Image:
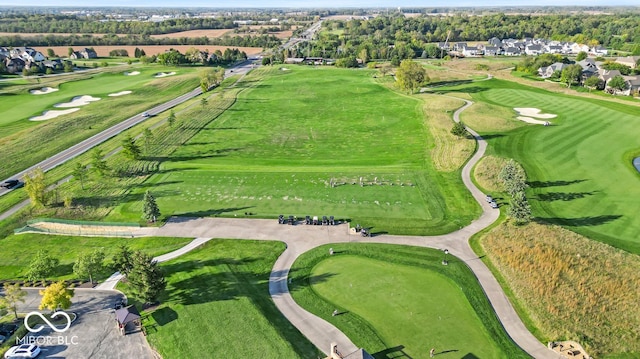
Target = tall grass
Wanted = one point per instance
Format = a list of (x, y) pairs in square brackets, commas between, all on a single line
[(571, 287)]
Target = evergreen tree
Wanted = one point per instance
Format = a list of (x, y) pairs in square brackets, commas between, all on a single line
[(513, 177), (520, 210), (130, 149), (145, 278), (79, 172), (150, 210), (122, 259), (98, 164)]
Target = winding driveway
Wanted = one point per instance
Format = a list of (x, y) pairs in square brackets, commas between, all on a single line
[(300, 239)]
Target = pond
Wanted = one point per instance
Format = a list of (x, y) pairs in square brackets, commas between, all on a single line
[(636, 163)]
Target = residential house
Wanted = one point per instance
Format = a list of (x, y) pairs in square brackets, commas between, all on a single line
[(599, 51), (459, 46), (492, 51), (53, 64), (294, 60), (576, 48), (32, 55), (606, 75), (533, 50), (548, 71), (632, 85), (470, 51), (553, 49), (512, 51), (88, 53), (494, 41), (631, 61), (14, 65)]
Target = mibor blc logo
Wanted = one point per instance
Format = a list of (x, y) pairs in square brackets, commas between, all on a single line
[(40, 327)]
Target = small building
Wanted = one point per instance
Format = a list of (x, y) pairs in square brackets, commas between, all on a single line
[(128, 316), (548, 71), (492, 51), (631, 61)]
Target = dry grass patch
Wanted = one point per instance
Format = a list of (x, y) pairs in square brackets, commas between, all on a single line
[(448, 152), (484, 117), (487, 173), (571, 287)]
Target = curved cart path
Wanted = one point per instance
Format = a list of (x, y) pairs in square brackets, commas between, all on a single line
[(300, 239)]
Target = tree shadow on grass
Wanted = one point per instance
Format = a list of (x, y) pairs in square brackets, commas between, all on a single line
[(580, 221), (389, 353), (164, 315), (469, 356), (212, 212), (542, 184), (562, 196), (210, 154), (471, 89)]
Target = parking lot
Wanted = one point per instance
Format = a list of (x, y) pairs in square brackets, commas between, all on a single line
[(94, 334)]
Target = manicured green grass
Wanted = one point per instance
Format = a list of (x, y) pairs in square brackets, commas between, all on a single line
[(217, 303), (283, 143), (400, 299), (18, 251), (24, 143), (579, 174)]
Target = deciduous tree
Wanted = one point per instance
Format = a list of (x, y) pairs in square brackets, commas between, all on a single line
[(411, 75), (13, 295), (581, 56), (36, 188), (41, 266), (571, 75), (593, 83), (89, 264), (79, 172), (459, 130), (618, 83), (56, 296)]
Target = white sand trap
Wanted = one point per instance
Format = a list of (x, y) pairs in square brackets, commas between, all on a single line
[(533, 112), (132, 73), (121, 93), (164, 74), (48, 115), (77, 101), (43, 91), (533, 120), (284, 69)]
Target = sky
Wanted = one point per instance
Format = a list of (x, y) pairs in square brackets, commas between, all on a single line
[(317, 4)]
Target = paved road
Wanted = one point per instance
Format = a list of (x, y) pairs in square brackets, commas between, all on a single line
[(86, 145), (93, 334)]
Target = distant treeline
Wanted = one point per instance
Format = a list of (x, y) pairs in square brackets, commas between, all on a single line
[(49, 23), (395, 36), (263, 41)]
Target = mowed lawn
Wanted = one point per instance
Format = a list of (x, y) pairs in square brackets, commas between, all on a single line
[(579, 169), (18, 107), (317, 141), (399, 301), (18, 251), (217, 304)]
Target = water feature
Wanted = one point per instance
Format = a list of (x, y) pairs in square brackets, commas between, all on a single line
[(636, 163)]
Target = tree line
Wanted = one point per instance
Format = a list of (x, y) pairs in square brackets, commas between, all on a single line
[(263, 41), (393, 36)]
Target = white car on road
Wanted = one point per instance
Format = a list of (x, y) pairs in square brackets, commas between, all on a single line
[(23, 351)]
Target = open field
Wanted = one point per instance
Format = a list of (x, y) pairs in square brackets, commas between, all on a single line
[(570, 287), (103, 51), (22, 143), (217, 302), (211, 33), (579, 178), (280, 148), (400, 301), (18, 251)]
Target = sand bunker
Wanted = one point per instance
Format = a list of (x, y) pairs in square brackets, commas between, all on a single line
[(164, 74), (121, 93), (48, 115), (77, 101), (533, 120), (533, 112), (132, 73), (284, 69), (43, 91)]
